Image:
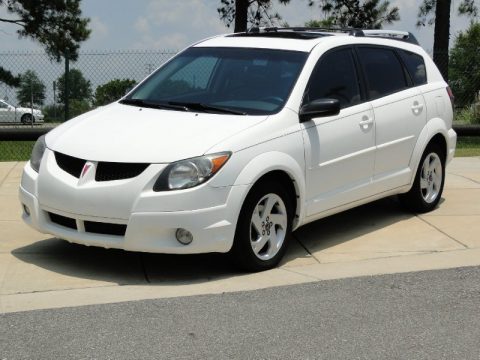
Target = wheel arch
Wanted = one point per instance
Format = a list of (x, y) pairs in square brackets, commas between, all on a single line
[(25, 115), (280, 167), (435, 131)]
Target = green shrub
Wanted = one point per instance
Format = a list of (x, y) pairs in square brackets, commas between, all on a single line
[(467, 115)]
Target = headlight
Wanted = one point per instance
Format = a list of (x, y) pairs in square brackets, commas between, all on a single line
[(188, 173), (37, 153)]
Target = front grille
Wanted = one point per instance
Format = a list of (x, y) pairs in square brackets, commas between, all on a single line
[(105, 171), (108, 171), (70, 164), (63, 221), (105, 228)]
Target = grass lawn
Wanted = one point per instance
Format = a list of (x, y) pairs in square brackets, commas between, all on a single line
[(15, 150), (21, 150), (468, 146)]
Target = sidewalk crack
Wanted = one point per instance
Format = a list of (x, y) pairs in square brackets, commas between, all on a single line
[(8, 174), (443, 232), (466, 177), (305, 248)]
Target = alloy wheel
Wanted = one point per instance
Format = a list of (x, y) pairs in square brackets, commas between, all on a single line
[(268, 226)]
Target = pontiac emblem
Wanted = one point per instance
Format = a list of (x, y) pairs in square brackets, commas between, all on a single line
[(85, 169)]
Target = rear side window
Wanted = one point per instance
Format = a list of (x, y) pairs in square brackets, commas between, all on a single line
[(383, 71), (415, 66), (335, 77)]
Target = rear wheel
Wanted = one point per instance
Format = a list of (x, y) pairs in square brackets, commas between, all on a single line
[(27, 119), (427, 188), (263, 228)]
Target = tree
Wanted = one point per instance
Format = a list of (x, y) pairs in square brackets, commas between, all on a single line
[(79, 88), (464, 67), (369, 14), (112, 90), (57, 25), (438, 13), (245, 12), (30, 88)]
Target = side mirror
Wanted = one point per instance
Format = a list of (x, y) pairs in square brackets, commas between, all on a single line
[(319, 108)]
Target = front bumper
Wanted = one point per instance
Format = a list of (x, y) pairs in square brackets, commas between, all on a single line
[(151, 219)]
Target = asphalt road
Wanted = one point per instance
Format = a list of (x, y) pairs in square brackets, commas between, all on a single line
[(424, 315)]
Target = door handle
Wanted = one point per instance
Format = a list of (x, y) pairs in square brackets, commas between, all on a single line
[(366, 122), (417, 108)]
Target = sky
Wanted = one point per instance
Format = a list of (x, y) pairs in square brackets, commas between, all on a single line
[(165, 25), (173, 25)]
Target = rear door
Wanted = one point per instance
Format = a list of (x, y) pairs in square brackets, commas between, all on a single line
[(400, 114)]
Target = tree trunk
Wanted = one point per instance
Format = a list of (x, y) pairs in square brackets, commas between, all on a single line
[(442, 36), (241, 15)]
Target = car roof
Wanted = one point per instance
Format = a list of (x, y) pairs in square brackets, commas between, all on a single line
[(305, 39)]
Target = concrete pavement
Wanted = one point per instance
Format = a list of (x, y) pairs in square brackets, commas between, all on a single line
[(38, 271)]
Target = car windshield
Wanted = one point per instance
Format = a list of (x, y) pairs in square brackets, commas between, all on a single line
[(222, 80)]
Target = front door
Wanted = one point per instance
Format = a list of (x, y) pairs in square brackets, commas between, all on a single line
[(339, 150)]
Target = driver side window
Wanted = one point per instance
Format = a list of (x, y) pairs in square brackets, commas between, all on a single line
[(335, 77), (3, 105)]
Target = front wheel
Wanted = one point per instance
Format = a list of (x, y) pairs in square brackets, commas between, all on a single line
[(427, 188), (263, 228), (27, 119)]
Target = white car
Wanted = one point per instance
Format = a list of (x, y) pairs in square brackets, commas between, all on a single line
[(13, 114), (242, 138)]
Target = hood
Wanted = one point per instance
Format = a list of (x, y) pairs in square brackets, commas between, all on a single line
[(124, 133)]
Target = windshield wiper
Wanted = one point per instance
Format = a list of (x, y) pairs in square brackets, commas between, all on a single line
[(153, 105), (206, 107)]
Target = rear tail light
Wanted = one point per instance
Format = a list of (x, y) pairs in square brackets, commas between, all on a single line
[(451, 96)]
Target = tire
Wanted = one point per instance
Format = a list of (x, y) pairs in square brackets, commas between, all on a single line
[(427, 188), (27, 119), (260, 244)]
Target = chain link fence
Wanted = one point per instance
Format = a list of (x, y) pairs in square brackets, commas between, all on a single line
[(99, 77), (42, 87), (42, 81)]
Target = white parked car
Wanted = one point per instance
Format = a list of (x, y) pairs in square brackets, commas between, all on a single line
[(13, 114), (242, 138)]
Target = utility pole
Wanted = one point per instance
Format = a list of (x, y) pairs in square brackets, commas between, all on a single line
[(55, 100), (31, 102), (67, 89)]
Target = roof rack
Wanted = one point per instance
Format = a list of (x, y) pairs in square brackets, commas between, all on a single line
[(320, 31), (392, 34), (315, 32)]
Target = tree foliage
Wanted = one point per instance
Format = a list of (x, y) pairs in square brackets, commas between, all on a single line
[(438, 12), (8, 78), (112, 90), (427, 10), (464, 70), (56, 24), (30, 88), (243, 13), (79, 88), (371, 14)]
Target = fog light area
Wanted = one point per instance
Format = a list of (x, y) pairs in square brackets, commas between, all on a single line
[(183, 236)]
